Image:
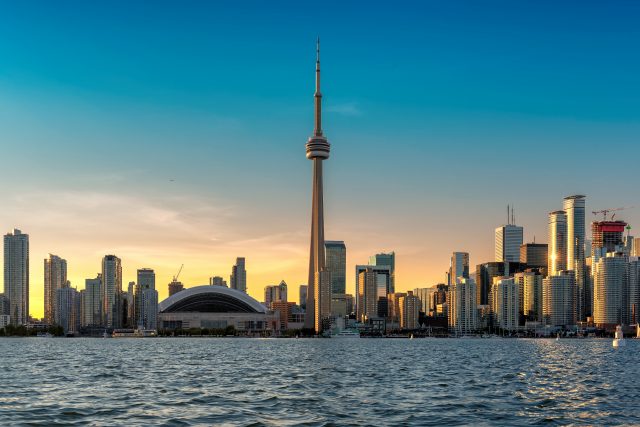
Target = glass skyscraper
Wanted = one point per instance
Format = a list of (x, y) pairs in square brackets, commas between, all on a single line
[(336, 263)]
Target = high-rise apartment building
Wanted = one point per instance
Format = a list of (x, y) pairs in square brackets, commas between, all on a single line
[(111, 292), (409, 311), (55, 277), (636, 247), (634, 290), (458, 266), (92, 301), (175, 287), (4, 305), (67, 309), (393, 306), (146, 300), (610, 290), (336, 263), (574, 206), (557, 242), (16, 275), (559, 299), (505, 303), (239, 275), (530, 289), (389, 260), (507, 244), (462, 307), (275, 293)]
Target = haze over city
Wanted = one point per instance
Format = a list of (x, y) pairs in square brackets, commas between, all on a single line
[(172, 136)]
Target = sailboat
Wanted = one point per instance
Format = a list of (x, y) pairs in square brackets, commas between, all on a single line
[(618, 340)]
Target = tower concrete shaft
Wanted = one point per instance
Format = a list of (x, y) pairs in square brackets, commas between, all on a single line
[(319, 291)]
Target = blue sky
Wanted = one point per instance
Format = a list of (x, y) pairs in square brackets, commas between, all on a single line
[(439, 114)]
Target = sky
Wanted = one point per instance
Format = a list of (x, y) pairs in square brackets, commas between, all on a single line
[(172, 133)]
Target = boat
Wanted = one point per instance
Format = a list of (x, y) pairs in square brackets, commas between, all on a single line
[(347, 333), (44, 335), (411, 336), (105, 334), (558, 337), (618, 340)]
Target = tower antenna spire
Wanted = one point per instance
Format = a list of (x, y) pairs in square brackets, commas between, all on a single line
[(317, 131)]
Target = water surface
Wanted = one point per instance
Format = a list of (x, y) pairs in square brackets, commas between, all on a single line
[(183, 382)]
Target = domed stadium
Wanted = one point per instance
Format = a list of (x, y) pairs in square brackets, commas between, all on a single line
[(214, 307)]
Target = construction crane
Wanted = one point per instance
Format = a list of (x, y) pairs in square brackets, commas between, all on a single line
[(175, 278), (605, 212)]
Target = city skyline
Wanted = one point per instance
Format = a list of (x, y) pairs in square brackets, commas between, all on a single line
[(159, 206)]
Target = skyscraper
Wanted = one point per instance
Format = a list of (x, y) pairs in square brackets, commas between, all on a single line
[(530, 290), (559, 299), (111, 291), (574, 206), (302, 295), (388, 260), (239, 275), (92, 310), (409, 311), (557, 242), (505, 302), (509, 237), (607, 234), (535, 255), (610, 293), (16, 275), (485, 273), (336, 264), (372, 287), (55, 277), (634, 290), (319, 295), (146, 300), (459, 266), (461, 301), (217, 281), (275, 293), (67, 309)]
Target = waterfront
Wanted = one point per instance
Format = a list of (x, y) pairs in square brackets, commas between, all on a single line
[(233, 381)]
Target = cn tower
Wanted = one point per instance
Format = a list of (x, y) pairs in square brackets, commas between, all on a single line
[(319, 285)]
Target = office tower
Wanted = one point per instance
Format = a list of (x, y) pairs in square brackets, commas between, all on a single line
[(505, 302), (92, 310), (610, 291), (317, 149), (303, 296), (336, 264), (462, 308), (239, 275), (373, 286), (409, 311), (530, 290), (458, 266), (55, 277), (557, 242), (574, 206), (217, 281), (559, 299), (389, 260), (507, 245), (425, 295), (485, 273), (439, 300), (67, 309), (636, 247), (275, 293), (129, 307), (16, 275), (607, 235), (634, 290), (393, 305), (111, 292), (340, 305), (535, 255), (146, 300)]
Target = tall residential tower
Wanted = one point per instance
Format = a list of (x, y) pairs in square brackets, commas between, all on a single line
[(16, 276)]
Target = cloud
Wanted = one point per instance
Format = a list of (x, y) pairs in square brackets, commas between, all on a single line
[(345, 109)]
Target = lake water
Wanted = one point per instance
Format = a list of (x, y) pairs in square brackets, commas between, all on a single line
[(183, 382)]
